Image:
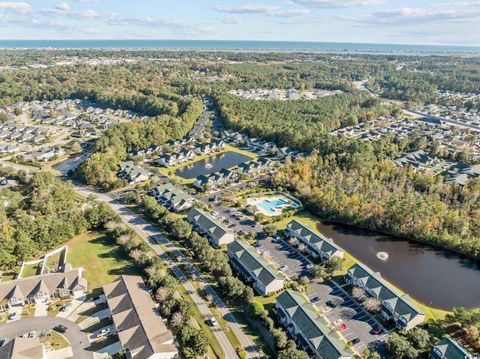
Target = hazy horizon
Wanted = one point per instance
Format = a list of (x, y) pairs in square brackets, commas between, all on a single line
[(421, 22)]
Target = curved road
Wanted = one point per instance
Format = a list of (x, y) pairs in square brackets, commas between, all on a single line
[(78, 340)]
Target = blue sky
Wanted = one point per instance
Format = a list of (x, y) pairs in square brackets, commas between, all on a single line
[(455, 22)]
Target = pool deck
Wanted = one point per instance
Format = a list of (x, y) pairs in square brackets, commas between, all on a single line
[(277, 210)]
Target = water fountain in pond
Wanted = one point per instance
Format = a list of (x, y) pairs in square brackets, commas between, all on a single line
[(382, 256)]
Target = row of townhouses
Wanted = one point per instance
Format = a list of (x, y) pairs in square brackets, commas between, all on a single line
[(310, 331), (41, 288), (394, 306), (140, 329), (205, 224), (187, 154), (132, 173), (224, 175), (449, 348), (258, 146), (172, 198), (254, 269), (316, 244)]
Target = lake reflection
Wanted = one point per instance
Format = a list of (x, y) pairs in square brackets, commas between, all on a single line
[(223, 160), (438, 278)]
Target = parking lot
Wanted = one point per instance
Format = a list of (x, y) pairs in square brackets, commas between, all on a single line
[(359, 324), (284, 257)]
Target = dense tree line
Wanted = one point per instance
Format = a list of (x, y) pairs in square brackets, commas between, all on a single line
[(41, 214), (357, 189), (299, 123)]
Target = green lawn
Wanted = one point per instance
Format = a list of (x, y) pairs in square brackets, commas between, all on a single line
[(55, 340), (30, 270), (101, 258), (6, 276)]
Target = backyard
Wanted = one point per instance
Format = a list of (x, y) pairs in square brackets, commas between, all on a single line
[(101, 258)]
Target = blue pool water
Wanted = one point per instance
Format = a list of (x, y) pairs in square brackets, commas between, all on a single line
[(270, 205)]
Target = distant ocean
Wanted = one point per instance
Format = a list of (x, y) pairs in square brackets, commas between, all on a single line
[(229, 45)]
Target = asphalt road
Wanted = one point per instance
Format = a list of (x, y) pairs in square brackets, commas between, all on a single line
[(150, 235), (78, 340)]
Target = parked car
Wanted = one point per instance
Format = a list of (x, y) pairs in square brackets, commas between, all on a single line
[(3, 341), (66, 307), (103, 333), (12, 315), (284, 268), (331, 304), (212, 322), (315, 299), (354, 341), (340, 324), (376, 331), (61, 328), (326, 309)]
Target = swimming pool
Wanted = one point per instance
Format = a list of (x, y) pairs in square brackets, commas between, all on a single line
[(271, 206)]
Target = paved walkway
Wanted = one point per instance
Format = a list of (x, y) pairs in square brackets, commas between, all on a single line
[(77, 339)]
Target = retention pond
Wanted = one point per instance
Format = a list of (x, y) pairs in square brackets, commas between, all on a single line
[(435, 277), (211, 164)]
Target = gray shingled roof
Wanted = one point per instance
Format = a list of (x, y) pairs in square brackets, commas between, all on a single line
[(317, 241), (451, 349), (49, 283), (140, 328), (208, 223), (401, 304), (313, 327), (246, 255)]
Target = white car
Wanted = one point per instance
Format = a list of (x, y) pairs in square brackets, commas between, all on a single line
[(212, 322), (284, 268), (104, 332), (326, 309)]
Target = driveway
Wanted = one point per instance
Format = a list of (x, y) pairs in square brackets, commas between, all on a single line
[(16, 312), (77, 339), (41, 309)]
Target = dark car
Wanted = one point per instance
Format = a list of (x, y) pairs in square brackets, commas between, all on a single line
[(315, 299), (354, 341), (331, 304), (376, 331), (61, 328)]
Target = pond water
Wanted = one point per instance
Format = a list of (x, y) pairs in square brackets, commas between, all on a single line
[(435, 277), (211, 164)]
